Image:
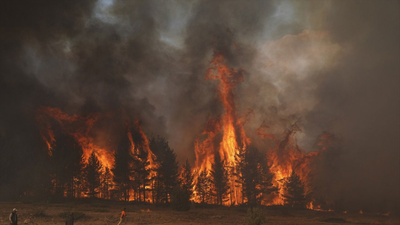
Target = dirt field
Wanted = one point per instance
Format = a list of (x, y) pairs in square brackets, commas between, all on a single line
[(105, 213)]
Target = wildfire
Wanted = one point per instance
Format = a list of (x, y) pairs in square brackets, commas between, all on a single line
[(77, 126), (145, 144), (231, 127), (285, 158), (223, 135), (233, 135), (81, 129)]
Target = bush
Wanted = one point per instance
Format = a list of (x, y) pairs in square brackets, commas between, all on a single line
[(255, 216)]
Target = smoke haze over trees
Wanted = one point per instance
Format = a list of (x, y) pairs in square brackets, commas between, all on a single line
[(330, 66)]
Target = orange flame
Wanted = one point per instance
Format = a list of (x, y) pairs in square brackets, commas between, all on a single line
[(233, 134), (146, 146), (77, 126), (80, 127), (151, 157), (283, 159), (288, 157)]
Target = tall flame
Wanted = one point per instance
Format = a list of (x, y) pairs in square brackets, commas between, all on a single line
[(233, 135), (225, 135)]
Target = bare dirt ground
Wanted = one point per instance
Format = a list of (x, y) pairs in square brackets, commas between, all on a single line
[(105, 213)]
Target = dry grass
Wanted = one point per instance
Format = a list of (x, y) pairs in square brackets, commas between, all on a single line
[(105, 213)]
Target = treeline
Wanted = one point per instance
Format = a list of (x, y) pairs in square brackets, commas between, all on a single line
[(142, 176), (248, 182), (59, 171)]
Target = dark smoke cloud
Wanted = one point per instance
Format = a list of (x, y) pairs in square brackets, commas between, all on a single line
[(25, 27), (330, 65), (362, 95), (224, 27)]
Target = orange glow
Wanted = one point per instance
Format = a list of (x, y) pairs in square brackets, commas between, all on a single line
[(76, 126), (146, 147), (287, 157), (229, 125), (282, 159), (81, 129)]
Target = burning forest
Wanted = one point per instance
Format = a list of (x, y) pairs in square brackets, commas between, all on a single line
[(231, 103)]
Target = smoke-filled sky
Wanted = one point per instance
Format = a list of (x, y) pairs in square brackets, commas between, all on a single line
[(330, 66)]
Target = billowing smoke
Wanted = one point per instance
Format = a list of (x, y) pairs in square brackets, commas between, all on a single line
[(329, 66)]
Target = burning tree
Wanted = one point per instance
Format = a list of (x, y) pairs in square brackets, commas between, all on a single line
[(93, 172), (254, 175), (294, 194), (140, 173), (203, 187), (229, 126), (187, 179), (67, 164), (122, 167), (167, 173), (219, 178), (143, 164), (106, 183), (183, 191)]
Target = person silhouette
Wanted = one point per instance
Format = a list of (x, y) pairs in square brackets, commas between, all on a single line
[(13, 217)]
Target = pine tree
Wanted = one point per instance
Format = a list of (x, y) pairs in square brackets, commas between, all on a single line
[(122, 167), (74, 168), (140, 173), (219, 178), (93, 171), (140, 166), (184, 190), (106, 183), (294, 194), (187, 179), (167, 171), (67, 163), (203, 187), (255, 176)]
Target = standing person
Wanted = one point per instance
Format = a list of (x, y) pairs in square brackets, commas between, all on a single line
[(13, 217), (122, 217)]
